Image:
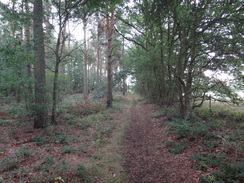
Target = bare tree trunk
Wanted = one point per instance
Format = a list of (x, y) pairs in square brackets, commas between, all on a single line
[(110, 29), (98, 55), (63, 45), (162, 64), (58, 53), (123, 65), (40, 119), (29, 98), (55, 92), (48, 32), (13, 24), (180, 74), (85, 87)]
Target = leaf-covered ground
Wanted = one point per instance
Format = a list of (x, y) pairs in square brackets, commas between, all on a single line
[(130, 143), (146, 158)]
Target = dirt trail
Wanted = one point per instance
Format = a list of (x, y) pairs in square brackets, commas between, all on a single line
[(146, 159)]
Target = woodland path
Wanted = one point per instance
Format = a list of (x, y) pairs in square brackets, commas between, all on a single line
[(146, 159)]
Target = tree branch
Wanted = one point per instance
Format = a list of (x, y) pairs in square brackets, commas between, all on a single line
[(131, 40)]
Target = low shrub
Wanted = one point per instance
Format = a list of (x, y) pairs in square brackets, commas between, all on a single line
[(67, 149), (82, 173), (84, 148), (60, 138), (47, 164), (24, 151), (188, 129), (84, 123), (63, 166), (39, 140), (229, 172), (86, 108), (9, 164), (177, 148)]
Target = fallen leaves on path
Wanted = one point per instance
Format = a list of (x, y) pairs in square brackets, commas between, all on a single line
[(146, 158)]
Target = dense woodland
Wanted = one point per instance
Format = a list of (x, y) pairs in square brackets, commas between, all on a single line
[(179, 54), (165, 46)]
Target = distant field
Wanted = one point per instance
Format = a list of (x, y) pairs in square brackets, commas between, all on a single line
[(219, 107)]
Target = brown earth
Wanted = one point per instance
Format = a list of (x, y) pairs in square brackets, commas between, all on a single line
[(142, 154), (147, 160)]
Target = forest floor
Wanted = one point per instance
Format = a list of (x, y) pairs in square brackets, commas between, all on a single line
[(127, 144), (147, 160)]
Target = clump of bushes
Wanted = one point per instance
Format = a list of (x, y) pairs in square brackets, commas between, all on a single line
[(85, 108)]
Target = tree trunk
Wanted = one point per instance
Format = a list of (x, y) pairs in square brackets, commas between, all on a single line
[(85, 87), (123, 65), (63, 47), (47, 33), (40, 119), (55, 92), (58, 54), (29, 97), (98, 56), (13, 24), (110, 29), (180, 73), (162, 64)]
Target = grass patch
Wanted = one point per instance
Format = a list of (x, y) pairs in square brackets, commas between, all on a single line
[(221, 110)]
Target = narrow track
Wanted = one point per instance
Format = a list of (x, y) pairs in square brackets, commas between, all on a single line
[(146, 158)]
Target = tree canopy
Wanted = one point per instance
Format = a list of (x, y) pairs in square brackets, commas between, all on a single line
[(174, 51)]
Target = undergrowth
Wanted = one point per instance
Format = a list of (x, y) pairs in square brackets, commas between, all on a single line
[(219, 136), (49, 152)]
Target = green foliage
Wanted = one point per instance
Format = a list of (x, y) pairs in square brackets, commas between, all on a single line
[(205, 160), (221, 110), (6, 123), (63, 166), (2, 150), (24, 151), (103, 133), (67, 149), (83, 148), (65, 86), (189, 128), (170, 112), (234, 140), (97, 156), (48, 147), (177, 148), (185, 128), (12, 132), (18, 110), (40, 140), (83, 109), (47, 164), (10, 163), (60, 138), (228, 172), (84, 123), (81, 172)]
